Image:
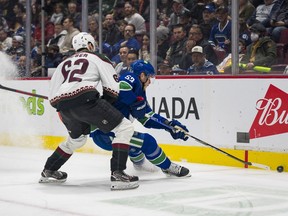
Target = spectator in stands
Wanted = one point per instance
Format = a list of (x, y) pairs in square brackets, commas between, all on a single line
[(225, 65), (164, 8), (263, 13), (36, 69), (132, 56), (220, 36), (162, 34), (122, 65), (197, 10), (144, 52), (144, 9), (246, 10), (58, 15), (68, 25), (186, 60), (177, 48), (186, 21), (35, 14), (244, 33), (164, 69), (178, 9), (17, 20), (208, 20), (3, 23), (74, 14), (201, 65), (35, 47), (279, 20), (93, 28), (53, 57), (21, 66), (129, 40), (220, 3), (118, 11), (196, 34), (256, 3), (59, 35), (6, 7), (133, 17), (49, 29), (17, 48), (121, 24), (111, 33), (262, 51), (49, 6), (5, 40)]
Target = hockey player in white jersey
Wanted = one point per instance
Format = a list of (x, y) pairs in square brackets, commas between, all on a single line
[(73, 94)]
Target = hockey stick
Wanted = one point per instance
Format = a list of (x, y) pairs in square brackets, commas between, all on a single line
[(22, 92), (261, 166)]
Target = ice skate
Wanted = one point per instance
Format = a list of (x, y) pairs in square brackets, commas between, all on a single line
[(145, 165), (177, 170), (49, 176), (121, 181)]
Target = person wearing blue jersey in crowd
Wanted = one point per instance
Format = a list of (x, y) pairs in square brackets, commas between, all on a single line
[(201, 66), (132, 102), (220, 35)]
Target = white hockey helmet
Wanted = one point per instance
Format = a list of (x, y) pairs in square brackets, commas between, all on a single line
[(82, 40)]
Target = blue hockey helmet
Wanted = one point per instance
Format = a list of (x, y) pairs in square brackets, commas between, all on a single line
[(140, 66)]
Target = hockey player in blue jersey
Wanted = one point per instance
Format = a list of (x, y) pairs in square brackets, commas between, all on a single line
[(132, 102)]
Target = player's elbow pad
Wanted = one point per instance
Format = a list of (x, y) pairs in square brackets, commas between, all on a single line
[(138, 109), (108, 96)]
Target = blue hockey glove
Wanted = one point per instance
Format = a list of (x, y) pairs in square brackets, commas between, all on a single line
[(138, 109), (179, 131)]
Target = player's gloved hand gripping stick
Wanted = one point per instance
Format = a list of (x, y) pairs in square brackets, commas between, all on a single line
[(169, 127)]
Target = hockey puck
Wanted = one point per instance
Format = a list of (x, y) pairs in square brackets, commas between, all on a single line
[(280, 169)]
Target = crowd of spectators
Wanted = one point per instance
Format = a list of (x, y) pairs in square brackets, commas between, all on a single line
[(192, 35)]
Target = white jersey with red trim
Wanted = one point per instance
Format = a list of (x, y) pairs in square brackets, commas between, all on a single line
[(81, 73)]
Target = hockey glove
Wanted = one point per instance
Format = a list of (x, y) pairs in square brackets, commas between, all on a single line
[(179, 131), (138, 109)]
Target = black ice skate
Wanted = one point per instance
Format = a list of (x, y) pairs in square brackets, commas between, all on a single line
[(121, 181), (49, 176), (177, 170)]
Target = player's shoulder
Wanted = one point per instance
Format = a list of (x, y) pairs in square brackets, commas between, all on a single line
[(126, 74), (92, 55)]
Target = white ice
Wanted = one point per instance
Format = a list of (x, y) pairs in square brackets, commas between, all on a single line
[(211, 191)]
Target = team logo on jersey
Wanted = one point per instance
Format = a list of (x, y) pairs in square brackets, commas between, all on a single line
[(272, 116), (104, 121)]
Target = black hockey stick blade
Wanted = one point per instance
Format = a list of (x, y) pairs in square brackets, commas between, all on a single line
[(22, 92)]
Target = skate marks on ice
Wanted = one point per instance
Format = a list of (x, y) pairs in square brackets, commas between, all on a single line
[(211, 191), (213, 201)]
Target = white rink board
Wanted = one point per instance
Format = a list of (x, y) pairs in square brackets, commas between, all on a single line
[(225, 106)]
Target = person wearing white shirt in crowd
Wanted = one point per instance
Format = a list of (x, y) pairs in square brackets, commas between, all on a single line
[(132, 17)]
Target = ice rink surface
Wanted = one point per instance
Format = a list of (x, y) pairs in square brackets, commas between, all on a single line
[(211, 191)]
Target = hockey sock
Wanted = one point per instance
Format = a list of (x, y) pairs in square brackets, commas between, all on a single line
[(154, 153), (57, 159), (119, 156), (137, 156)]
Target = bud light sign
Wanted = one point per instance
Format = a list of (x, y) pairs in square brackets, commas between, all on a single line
[(272, 116)]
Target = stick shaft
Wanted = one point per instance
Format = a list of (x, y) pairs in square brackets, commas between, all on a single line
[(22, 92), (261, 166)]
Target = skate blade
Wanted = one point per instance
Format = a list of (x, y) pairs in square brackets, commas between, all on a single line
[(51, 180), (174, 176), (118, 185), (149, 170)]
